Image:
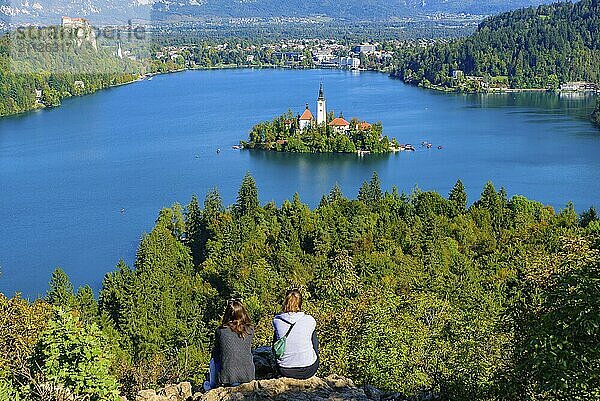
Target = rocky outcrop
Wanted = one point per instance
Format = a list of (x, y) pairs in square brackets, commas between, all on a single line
[(332, 388), (269, 388), (171, 392)]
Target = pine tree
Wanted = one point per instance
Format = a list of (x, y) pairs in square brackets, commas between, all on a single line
[(247, 199), (193, 227), (193, 217), (589, 216), (161, 302), (173, 219), (213, 206), (323, 202), (375, 193), (116, 289), (458, 198), (86, 304), (60, 292), (363, 192), (489, 197), (370, 192), (335, 193)]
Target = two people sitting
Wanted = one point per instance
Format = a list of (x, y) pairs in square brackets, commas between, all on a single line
[(231, 360)]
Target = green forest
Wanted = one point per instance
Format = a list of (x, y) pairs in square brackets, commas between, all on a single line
[(284, 135), (417, 293), (72, 71), (529, 48)]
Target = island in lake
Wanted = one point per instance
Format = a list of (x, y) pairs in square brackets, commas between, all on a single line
[(323, 134)]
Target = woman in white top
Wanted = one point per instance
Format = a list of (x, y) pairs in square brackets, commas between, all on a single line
[(300, 359)]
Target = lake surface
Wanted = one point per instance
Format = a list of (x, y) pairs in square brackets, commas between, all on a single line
[(66, 173)]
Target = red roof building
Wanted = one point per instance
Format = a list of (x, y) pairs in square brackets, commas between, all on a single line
[(339, 122), (307, 115), (363, 126), (340, 125)]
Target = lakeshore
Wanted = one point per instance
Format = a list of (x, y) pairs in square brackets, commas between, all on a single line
[(436, 88)]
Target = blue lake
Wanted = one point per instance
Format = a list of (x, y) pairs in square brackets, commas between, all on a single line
[(66, 173)]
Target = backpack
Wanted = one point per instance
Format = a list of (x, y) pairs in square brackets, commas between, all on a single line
[(279, 345)]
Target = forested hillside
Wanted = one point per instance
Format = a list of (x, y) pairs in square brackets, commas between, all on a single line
[(412, 293), (534, 47), (73, 71)]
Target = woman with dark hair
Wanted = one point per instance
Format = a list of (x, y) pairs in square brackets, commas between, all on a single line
[(300, 356), (231, 363)]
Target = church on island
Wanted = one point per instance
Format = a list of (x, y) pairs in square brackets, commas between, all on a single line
[(339, 124), (324, 133)]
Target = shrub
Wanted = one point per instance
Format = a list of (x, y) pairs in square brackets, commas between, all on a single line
[(71, 356)]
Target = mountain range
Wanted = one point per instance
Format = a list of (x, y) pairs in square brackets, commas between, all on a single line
[(113, 11)]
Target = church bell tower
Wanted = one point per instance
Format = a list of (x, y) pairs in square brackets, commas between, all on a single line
[(321, 110)]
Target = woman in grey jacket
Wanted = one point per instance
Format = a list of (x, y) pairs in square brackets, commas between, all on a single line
[(232, 362), (300, 359)]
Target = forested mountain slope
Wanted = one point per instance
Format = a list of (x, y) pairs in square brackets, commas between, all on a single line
[(339, 10), (535, 47), (113, 11)]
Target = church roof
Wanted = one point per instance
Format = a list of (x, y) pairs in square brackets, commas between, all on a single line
[(307, 115), (339, 122)]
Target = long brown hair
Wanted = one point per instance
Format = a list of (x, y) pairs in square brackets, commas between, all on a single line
[(236, 318), (293, 301)]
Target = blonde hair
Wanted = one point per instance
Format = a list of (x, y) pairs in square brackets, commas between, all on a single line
[(293, 301)]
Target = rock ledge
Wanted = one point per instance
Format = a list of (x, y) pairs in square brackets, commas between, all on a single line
[(333, 388)]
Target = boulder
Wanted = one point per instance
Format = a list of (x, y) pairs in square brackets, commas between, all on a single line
[(185, 390), (149, 395), (170, 392)]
